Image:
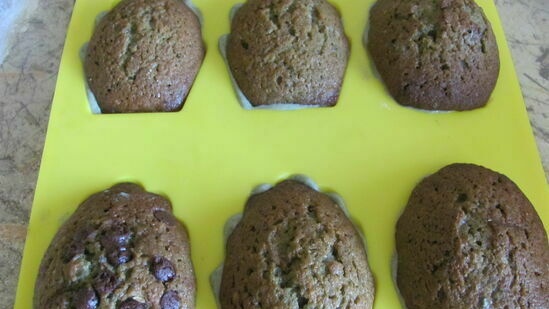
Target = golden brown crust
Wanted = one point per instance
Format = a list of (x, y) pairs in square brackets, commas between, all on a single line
[(122, 248), (288, 51), (294, 247), (144, 56), (469, 238), (434, 55)]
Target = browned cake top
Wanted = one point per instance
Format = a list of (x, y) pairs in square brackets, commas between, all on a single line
[(295, 248), (469, 238), (144, 56), (434, 55), (122, 248), (288, 51)]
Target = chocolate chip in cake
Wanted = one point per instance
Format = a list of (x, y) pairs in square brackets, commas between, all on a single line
[(118, 256), (131, 303), (118, 235), (85, 298), (170, 300), (77, 244), (162, 269), (105, 282)]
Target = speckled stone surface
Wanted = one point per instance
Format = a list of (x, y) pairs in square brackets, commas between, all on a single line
[(27, 81)]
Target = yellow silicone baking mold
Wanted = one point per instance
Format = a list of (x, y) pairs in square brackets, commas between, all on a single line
[(207, 157)]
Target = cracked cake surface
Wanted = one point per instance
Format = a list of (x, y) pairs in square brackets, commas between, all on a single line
[(122, 248), (288, 51), (144, 56), (434, 54), (469, 238), (295, 248)]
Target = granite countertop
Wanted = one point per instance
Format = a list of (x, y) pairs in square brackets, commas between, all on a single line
[(28, 75)]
